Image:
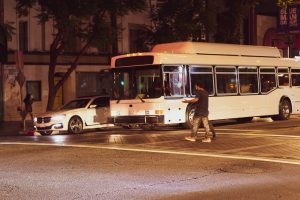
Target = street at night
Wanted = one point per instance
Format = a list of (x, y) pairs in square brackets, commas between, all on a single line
[(254, 160)]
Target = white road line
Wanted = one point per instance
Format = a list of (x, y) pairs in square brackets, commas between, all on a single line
[(258, 133), (214, 155), (243, 130), (262, 135)]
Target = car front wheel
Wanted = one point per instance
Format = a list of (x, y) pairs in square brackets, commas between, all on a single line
[(75, 125)]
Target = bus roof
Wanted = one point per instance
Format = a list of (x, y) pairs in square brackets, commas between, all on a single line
[(204, 48)]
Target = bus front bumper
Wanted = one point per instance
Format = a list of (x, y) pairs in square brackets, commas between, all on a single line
[(141, 119)]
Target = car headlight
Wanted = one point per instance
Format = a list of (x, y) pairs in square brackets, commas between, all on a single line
[(58, 117), (35, 119)]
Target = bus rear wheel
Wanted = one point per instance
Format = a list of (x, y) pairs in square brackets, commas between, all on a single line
[(285, 110)]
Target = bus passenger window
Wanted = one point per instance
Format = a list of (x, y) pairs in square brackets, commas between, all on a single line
[(283, 77), (268, 82), (204, 75), (226, 83), (226, 78), (248, 83), (295, 79)]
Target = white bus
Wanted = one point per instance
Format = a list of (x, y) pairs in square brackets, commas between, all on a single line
[(243, 82)]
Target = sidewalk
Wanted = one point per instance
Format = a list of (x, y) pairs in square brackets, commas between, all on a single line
[(12, 128)]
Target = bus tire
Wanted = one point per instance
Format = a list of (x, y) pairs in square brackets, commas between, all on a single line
[(285, 110), (147, 127), (189, 115), (244, 119)]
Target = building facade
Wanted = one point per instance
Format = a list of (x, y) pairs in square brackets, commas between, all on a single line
[(33, 39)]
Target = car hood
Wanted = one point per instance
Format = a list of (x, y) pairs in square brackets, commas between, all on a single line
[(60, 112)]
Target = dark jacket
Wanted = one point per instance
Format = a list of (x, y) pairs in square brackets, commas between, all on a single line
[(28, 100)]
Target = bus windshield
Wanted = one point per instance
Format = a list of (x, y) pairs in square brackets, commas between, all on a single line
[(137, 82)]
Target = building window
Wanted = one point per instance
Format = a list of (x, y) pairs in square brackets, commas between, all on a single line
[(34, 88), (23, 36), (93, 83), (136, 41)]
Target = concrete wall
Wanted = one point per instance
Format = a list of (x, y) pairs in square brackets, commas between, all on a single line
[(263, 24), (13, 95), (126, 22)]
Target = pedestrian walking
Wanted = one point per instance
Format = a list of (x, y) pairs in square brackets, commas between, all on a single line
[(28, 100), (201, 114)]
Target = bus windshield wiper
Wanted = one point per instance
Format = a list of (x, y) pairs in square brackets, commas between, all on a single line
[(118, 100), (142, 100)]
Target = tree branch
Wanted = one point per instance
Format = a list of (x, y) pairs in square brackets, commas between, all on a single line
[(74, 63)]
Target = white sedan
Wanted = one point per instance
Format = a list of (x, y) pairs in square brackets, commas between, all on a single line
[(75, 116)]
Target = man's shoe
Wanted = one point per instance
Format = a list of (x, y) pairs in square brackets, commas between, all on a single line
[(192, 139), (214, 137), (206, 140)]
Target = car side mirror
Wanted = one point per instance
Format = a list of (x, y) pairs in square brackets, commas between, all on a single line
[(93, 106)]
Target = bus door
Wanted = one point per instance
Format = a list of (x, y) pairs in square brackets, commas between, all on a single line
[(174, 91), (174, 83)]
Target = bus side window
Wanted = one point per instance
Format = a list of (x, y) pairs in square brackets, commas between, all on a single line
[(296, 79), (248, 80), (267, 79), (267, 82), (205, 79), (283, 77), (226, 78)]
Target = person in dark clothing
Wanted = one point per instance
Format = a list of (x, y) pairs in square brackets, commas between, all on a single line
[(201, 114), (28, 100)]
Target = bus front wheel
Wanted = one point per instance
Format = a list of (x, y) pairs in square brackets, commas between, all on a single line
[(285, 110), (189, 115)]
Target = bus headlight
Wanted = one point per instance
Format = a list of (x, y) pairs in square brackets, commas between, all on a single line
[(115, 113)]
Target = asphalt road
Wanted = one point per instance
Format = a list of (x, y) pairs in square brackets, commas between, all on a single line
[(258, 160)]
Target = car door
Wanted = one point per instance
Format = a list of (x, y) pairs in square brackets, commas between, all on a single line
[(98, 111)]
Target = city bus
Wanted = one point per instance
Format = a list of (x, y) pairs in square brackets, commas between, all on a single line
[(243, 82)]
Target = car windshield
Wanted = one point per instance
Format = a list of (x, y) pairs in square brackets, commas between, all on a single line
[(137, 82), (78, 103)]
